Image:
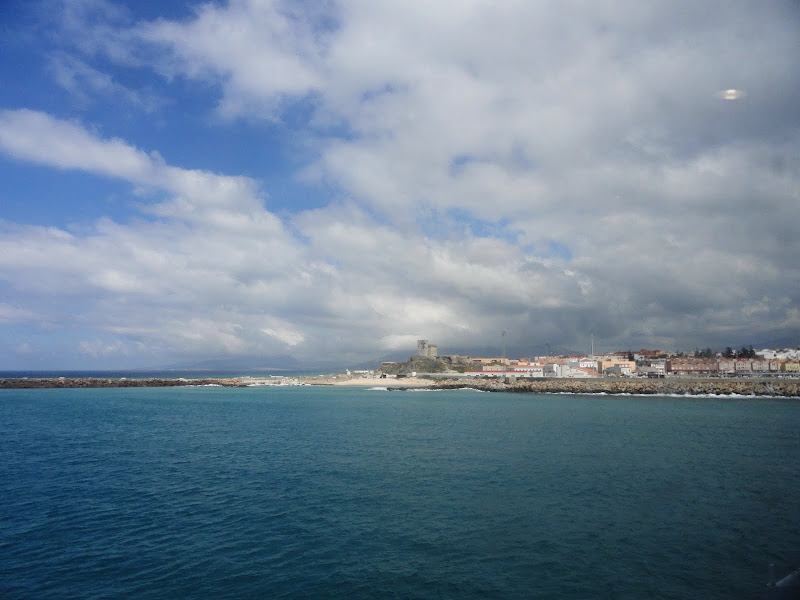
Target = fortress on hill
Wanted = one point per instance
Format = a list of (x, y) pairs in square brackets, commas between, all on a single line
[(426, 349), (641, 363)]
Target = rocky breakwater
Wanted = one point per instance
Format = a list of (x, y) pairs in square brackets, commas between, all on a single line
[(98, 382), (677, 386)]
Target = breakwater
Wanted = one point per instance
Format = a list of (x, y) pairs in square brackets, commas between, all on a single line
[(102, 382), (672, 386), (686, 386)]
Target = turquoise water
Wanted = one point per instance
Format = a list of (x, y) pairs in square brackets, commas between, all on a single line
[(353, 493)]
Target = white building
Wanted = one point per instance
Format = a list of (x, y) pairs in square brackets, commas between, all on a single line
[(656, 368), (529, 371), (785, 354)]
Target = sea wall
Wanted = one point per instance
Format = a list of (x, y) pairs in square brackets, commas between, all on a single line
[(680, 386)]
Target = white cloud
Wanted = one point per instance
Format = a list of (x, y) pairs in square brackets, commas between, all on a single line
[(85, 83), (14, 314), (287, 335), (38, 137), (24, 348), (100, 349), (263, 50)]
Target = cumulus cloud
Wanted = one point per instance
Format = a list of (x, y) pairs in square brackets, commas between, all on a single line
[(264, 51), (546, 170), (38, 137), (223, 274)]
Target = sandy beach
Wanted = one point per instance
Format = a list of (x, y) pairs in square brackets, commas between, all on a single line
[(343, 380)]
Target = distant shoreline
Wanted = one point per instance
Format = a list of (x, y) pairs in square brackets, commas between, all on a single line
[(108, 382), (787, 388)]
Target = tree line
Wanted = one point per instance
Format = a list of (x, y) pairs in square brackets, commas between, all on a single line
[(744, 352)]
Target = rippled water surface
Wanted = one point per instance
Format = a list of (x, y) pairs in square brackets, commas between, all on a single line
[(354, 493)]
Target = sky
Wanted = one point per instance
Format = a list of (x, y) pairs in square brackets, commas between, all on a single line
[(276, 180)]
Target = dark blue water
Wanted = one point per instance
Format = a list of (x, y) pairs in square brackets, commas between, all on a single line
[(352, 493), (159, 374)]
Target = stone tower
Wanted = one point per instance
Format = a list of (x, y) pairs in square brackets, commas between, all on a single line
[(422, 347), (426, 349)]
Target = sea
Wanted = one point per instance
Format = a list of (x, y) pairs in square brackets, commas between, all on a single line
[(160, 374), (357, 493)]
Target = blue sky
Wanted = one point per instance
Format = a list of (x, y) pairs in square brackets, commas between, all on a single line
[(255, 179)]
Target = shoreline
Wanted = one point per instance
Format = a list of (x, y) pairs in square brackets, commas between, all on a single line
[(784, 388), (781, 388)]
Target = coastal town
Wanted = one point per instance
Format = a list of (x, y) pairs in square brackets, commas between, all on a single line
[(745, 362), (744, 372)]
